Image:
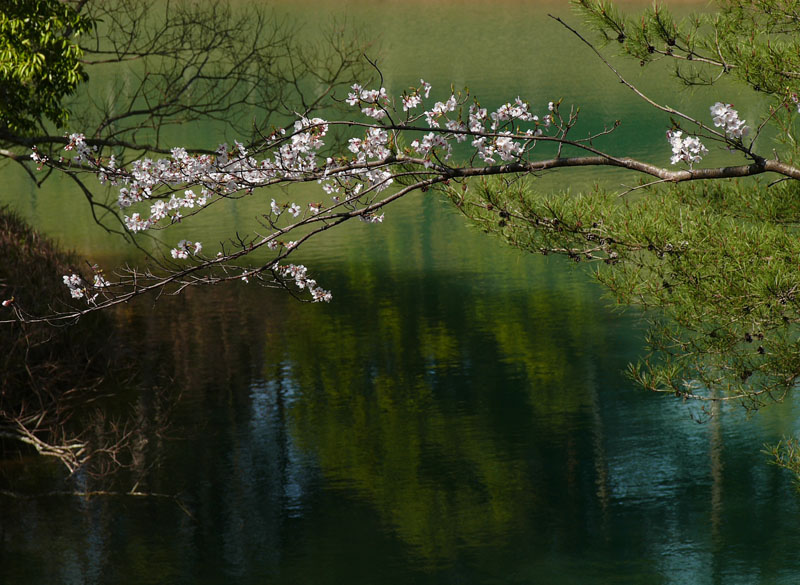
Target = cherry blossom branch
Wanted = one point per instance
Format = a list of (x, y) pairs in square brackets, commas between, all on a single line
[(154, 195)]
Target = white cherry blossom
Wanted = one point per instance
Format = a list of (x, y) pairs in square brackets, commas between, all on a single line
[(726, 117), (689, 149)]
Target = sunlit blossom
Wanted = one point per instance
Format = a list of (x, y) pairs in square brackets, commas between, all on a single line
[(411, 101), (426, 88), (689, 149), (726, 117)]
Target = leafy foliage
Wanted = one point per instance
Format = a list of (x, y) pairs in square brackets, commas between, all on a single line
[(40, 61)]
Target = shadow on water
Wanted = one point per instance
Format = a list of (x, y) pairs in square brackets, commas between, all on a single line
[(59, 385)]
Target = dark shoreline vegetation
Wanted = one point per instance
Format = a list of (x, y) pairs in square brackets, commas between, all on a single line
[(92, 395), (53, 379)]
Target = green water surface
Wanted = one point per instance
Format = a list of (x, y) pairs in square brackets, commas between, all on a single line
[(458, 413)]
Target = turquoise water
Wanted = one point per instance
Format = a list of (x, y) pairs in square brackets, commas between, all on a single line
[(458, 414)]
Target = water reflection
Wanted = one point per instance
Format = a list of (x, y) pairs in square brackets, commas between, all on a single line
[(430, 426), (450, 415), (457, 415)]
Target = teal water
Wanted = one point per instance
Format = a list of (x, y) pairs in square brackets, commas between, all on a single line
[(458, 414)]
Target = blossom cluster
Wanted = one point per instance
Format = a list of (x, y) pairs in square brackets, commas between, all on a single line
[(79, 289), (295, 156), (371, 218), (414, 99), (429, 143), (726, 117), (498, 138), (223, 173), (186, 248), (494, 134), (75, 285), (300, 275), (516, 111), (77, 142), (374, 101), (687, 149)]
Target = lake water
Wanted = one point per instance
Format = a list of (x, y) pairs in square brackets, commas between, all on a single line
[(458, 413)]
